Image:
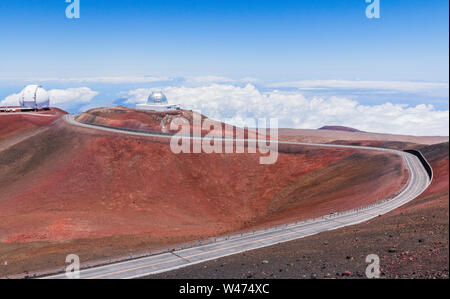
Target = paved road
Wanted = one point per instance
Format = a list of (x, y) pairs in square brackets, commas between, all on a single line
[(417, 183), (27, 113)]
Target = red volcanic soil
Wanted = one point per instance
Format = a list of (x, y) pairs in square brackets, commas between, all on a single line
[(339, 128), (333, 136), (12, 123), (411, 242), (76, 190), (155, 121), (437, 193), (121, 117)]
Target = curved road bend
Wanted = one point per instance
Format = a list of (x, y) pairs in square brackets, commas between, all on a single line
[(417, 183)]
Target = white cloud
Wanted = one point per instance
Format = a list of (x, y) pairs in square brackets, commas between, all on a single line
[(71, 95), (217, 79), (207, 79), (234, 103), (136, 96), (432, 88), (11, 100), (62, 98)]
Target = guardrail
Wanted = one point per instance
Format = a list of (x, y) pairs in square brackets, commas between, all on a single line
[(422, 160), (321, 216)]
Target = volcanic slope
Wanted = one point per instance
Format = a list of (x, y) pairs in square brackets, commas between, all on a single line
[(411, 241), (329, 134), (13, 124), (16, 127), (100, 194), (154, 121)]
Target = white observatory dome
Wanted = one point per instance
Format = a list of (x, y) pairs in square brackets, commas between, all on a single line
[(157, 101), (34, 97), (157, 98)]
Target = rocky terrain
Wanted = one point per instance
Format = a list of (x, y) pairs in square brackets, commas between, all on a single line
[(98, 194), (412, 242)]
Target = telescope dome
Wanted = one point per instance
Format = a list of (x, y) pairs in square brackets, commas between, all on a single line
[(157, 97), (34, 97)]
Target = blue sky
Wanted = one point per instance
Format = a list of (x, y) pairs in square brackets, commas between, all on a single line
[(265, 43), (277, 40)]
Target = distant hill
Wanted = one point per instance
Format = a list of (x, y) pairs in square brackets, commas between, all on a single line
[(339, 128)]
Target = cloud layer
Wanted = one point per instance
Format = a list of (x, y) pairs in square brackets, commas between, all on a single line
[(233, 104), (62, 98), (233, 101), (431, 88)]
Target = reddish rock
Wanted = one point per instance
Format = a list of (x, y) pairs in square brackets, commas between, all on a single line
[(72, 188)]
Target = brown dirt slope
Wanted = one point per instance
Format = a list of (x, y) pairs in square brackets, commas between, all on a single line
[(70, 189)]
